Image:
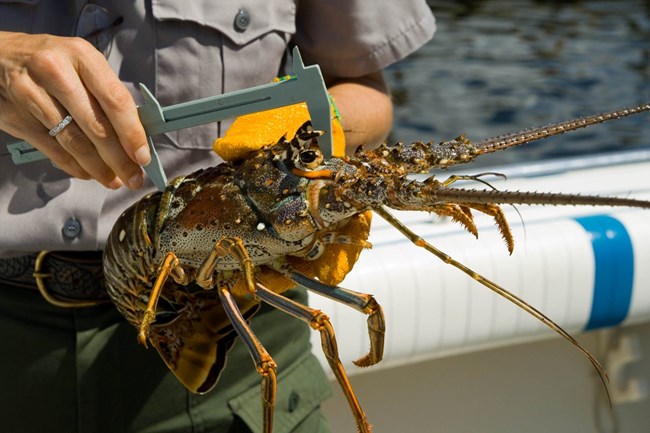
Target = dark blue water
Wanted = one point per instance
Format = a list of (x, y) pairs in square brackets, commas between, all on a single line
[(497, 66)]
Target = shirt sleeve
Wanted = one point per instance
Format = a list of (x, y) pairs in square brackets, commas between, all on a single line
[(350, 38)]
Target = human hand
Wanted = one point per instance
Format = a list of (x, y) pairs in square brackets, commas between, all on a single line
[(44, 78)]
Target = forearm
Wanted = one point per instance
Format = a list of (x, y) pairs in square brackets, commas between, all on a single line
[(366, 109)]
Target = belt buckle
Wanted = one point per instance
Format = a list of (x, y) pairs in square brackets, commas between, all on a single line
[(40, 278)]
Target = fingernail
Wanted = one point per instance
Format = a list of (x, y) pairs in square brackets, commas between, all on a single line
[(115, 183), (136, 181), (142, 155)]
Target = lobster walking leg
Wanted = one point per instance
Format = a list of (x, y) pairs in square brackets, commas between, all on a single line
[(496, 212), (457, 213), (359, 301), (431, 186), (169, 265), (418, 241), (263, 362), (234, 246), (320, 322)]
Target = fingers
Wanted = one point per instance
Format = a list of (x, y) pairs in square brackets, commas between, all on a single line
[(107, 134), (50, 147), (65, 76), (116, 101), (70, 149), (28, 119), (90, 157)]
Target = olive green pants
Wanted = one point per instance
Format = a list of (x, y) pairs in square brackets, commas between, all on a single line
[(81, 370)]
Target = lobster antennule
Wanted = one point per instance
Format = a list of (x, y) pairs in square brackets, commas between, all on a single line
[(501, 142)]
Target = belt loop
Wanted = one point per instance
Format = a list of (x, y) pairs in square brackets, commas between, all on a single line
[(49, 297)]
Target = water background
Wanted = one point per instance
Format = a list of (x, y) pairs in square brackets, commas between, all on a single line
[(497, 66)]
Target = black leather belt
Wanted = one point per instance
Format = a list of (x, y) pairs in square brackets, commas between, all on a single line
[(64, 278)]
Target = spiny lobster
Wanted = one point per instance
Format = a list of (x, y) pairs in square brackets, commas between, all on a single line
[(246, 231)]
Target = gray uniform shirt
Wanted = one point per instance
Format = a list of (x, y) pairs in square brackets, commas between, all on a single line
[(184, 50)]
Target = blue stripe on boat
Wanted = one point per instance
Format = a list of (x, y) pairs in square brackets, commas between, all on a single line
[(614, 262)]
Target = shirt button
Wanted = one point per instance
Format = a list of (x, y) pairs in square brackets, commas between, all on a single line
[(294, 401), (242, 20), (71, 228)]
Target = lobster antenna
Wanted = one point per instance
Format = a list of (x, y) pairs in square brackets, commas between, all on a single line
[(501, 142), (533, 198)]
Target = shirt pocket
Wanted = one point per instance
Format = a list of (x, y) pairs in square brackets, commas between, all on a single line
[(16, 15), (242, 21), (206, 48), (301, 389)]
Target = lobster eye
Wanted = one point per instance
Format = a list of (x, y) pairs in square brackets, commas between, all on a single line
[(308, 156)]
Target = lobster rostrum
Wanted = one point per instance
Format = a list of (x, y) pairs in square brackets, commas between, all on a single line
[(189, 266)]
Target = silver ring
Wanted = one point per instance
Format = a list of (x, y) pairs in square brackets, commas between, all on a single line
[(62, 124)]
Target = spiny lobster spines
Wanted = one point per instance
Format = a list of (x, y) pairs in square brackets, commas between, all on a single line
[(526, 136), (380, 178), (419, 157), (438, 197)]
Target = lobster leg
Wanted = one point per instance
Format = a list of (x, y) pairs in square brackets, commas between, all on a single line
[(263, 362), (457, 213), (234, 246), (495, 212), (359, 301), (169, 265), (490, 209), (320, 322), (418, 241)]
